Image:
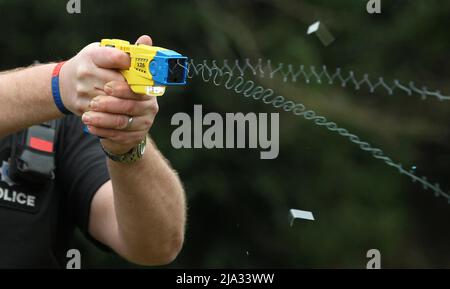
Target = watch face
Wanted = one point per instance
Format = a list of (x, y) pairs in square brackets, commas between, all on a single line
[(141, 149)]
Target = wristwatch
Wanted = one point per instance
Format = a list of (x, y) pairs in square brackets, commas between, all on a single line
[(129, 157)]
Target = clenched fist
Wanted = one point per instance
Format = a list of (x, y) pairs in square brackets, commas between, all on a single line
[(92, 86)]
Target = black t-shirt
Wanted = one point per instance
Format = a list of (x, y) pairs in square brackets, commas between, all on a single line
[(36, 224)]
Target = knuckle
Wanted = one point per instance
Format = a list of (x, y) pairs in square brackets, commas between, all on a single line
[(89, 49), (120, 122), (101, 103), (81, 89), (129, 107), (122, 88), (83, 71), (148, 123), (115, 57), (154, 107)]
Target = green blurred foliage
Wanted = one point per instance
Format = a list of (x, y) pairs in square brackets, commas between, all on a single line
[(238, 204)]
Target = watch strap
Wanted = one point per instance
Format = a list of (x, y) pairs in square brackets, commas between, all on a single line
[(129, 157)]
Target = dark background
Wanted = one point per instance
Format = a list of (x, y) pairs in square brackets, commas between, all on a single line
[(238, 204)]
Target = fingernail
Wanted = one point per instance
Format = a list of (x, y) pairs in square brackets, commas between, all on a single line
[(93, 104), (86, 118), (108, 89)]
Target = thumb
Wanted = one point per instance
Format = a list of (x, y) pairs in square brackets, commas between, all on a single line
[(105, 57), (145, 39)]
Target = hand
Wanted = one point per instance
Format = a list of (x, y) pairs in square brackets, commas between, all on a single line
[(84, 76), (109, 113)]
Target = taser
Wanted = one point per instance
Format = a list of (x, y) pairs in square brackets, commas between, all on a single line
[(152, 68)]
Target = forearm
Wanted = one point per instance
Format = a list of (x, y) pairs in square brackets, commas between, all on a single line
[(26, 98), (150, 209)]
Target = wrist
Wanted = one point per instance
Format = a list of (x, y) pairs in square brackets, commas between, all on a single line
[(67, 86), (117, 148), (124, 154)]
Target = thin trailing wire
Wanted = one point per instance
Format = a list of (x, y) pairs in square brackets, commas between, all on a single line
[(220, 76), (310, 74)]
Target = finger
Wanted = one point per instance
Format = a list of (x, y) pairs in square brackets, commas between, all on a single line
[(145, 39), (118, 136), (96, 78), (110, 58), (107, 75), (117, 121), (121, 89), (85, 100), (111, 104)]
